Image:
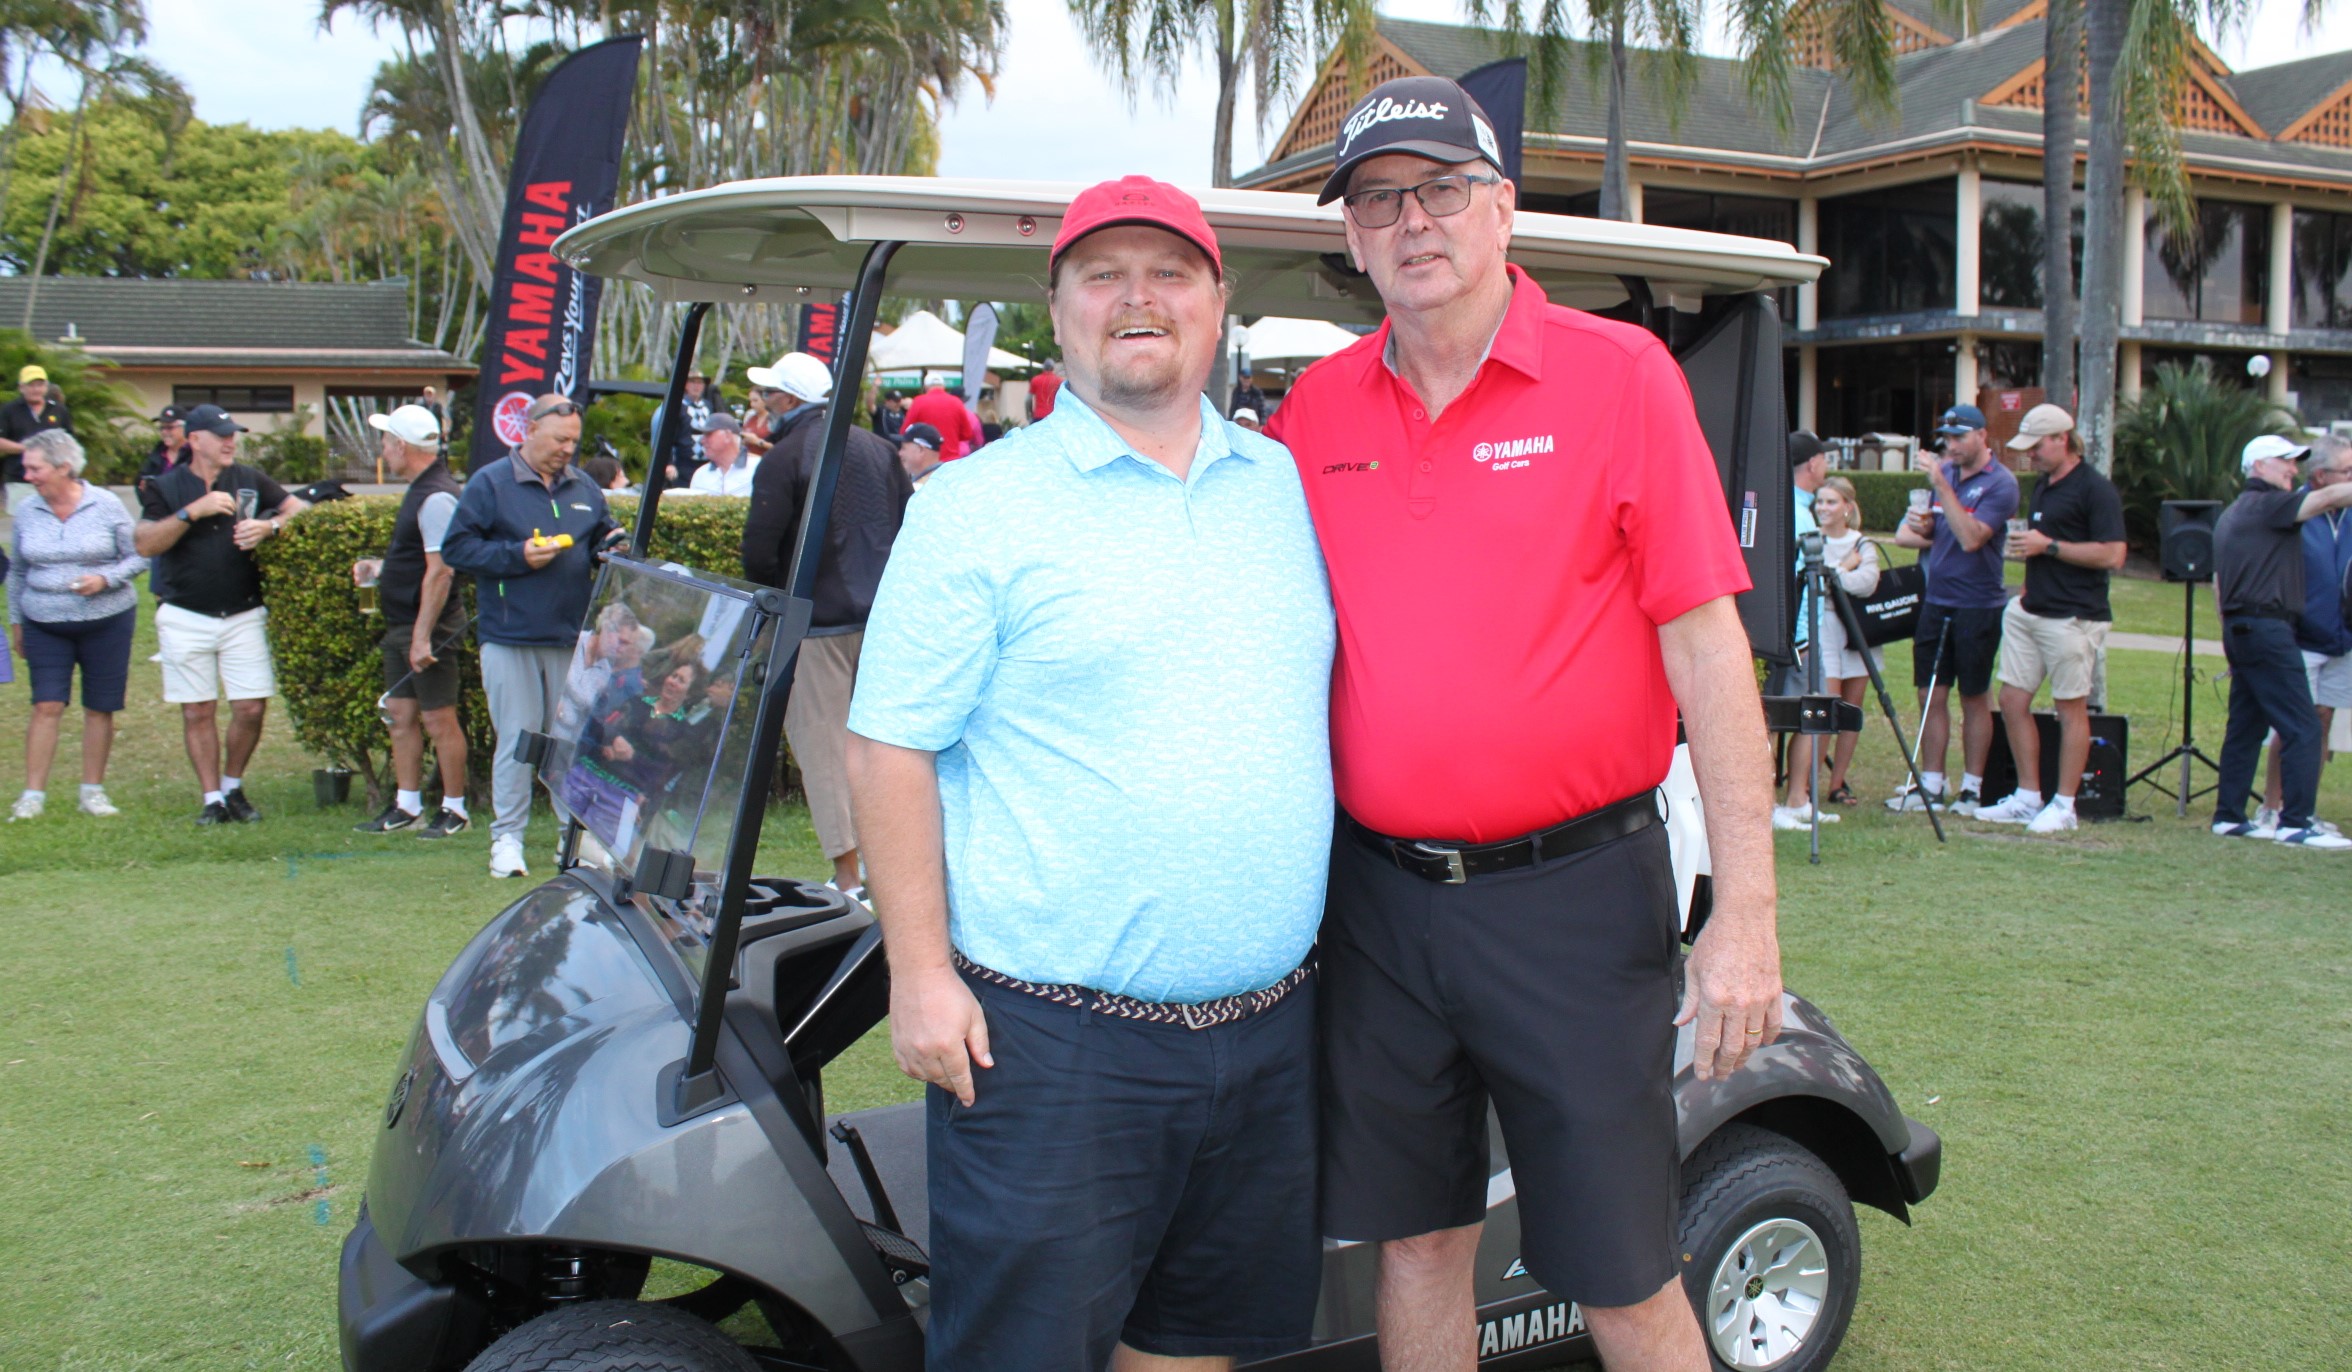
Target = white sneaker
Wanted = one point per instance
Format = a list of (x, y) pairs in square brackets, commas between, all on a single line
[(2314, 837), (1911, 800), (2054, 819), (1786, 819), (28, 806), (506, 857), (1966, 803), (2266, 818), (2013, 809), (97, 804)]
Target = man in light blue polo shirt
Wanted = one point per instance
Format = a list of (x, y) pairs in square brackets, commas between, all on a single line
[(1090, 768)]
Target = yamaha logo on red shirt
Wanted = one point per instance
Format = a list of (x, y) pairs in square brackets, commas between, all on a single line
[(1510, 453)]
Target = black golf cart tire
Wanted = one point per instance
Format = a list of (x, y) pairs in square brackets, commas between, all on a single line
[(1743, 1176), (614, 1336)]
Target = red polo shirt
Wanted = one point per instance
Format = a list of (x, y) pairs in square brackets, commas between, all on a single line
[(957, 433), (1500, 574)]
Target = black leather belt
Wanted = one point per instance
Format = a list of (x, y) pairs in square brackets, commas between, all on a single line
[(1454, 864)]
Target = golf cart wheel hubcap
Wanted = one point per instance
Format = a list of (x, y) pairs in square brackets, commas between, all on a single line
[(1767, 1294)]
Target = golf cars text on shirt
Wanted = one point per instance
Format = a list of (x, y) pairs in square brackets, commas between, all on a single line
[(1500, 573), (1125, 678)]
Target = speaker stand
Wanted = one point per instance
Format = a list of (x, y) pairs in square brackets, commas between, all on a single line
[(2188, 751)]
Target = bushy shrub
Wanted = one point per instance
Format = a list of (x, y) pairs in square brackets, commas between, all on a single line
[(2181, 441), (330, 667), (288, 451), (1886, 496), (626, 422)]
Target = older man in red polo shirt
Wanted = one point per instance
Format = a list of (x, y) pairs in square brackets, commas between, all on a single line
[(1532, 568)]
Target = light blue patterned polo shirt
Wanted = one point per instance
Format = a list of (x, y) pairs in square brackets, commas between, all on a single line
[(1127, 680)]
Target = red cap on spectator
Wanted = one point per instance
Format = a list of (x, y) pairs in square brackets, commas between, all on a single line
[(1137, 200)]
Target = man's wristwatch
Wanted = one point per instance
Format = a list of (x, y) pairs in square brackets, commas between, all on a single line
[(185, 518)]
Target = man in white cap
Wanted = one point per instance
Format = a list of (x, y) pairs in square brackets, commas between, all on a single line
[(2057, 630), (868, 504), (422, 619), (2258, 579), (796, 380), (725, 469)]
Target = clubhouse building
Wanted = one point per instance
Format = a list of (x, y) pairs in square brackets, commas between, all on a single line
[(1931, 215)]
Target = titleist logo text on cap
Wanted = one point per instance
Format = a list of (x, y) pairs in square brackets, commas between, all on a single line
[(1382, 112)]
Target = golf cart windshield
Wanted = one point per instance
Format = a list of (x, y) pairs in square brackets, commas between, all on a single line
[(652, 739)]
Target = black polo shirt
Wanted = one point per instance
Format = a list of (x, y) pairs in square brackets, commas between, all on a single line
[(2258, 553), (19, 421), (206, 571), (2083, 508)]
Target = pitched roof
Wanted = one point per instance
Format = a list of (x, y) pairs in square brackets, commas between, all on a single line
[(156, 321), (2279, 95), (1932, 87)]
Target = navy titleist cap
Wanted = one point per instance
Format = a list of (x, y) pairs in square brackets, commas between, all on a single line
[(212, 419), (1427, 116), (1961, 419)]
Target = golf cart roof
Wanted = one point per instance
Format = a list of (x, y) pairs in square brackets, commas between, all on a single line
[(771, 240)]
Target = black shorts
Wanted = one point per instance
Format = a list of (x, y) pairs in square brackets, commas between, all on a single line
[(101, 648), (1550, 990), (434, 688), (1971, 639), (1115, 1181)]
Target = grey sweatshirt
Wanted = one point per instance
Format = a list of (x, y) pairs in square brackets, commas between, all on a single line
[(52, 553)]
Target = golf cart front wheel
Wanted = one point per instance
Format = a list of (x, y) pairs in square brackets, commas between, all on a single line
[(614, 1336), (1771, 1255)]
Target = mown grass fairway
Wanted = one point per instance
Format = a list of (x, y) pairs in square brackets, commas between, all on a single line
[(2133, 1040)]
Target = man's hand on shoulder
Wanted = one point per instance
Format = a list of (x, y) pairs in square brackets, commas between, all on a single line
[(937, 1028)]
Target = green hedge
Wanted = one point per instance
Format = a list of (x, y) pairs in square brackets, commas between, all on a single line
[(1886, 496), (330, 668)]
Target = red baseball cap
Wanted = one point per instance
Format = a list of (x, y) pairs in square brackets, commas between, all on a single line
[(1137, 200)]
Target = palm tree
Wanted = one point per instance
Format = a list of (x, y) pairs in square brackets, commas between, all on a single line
[(2062, 37), (1857, 31), (1149, 41)]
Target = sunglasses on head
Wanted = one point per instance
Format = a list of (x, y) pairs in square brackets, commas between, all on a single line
[(557, 410)]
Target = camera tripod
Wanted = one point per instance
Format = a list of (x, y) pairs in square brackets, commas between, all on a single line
[(1824, 717), (2188, 750)]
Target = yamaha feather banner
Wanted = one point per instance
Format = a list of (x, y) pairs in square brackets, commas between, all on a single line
[(567, 164)]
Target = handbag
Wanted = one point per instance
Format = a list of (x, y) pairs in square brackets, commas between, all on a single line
[(1891, 613)]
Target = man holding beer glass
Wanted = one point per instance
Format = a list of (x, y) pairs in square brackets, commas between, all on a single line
[(2057, 629), (200, 524), (1972, 496), (410, 586)]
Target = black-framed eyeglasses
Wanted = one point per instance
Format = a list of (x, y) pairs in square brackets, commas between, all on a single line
[(1439, 196), (562, 408)]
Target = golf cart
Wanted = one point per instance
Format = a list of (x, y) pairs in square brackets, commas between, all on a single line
[(628, 1062)]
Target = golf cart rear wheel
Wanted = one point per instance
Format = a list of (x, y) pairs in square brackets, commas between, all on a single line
[(614, 1336), (1771, 1256)]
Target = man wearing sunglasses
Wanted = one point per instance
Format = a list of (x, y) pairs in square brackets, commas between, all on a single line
[(1532, 566), (528, 530)]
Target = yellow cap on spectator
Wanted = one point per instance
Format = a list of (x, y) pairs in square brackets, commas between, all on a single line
[(31, 374)]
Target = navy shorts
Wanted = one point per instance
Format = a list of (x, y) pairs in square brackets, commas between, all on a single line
[(1121, 1182), (1547, 991), (1970, 639), (101, 648)]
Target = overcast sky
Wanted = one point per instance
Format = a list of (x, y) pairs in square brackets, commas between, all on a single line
[(1053, 117)]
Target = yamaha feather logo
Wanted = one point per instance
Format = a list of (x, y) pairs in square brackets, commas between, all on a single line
[(1510, 453)]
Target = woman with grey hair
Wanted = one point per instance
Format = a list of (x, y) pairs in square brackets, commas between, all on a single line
[(70, 604)]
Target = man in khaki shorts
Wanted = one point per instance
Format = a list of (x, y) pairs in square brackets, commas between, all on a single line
[(2056, 631), (200, 522)]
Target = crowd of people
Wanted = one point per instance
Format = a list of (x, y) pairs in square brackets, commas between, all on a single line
[(2282, 553)]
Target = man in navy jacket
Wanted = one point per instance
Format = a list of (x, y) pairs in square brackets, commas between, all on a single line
[(532, 592), (2321, 633)]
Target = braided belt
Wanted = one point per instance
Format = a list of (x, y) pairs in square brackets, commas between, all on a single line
[(1192, 1015)]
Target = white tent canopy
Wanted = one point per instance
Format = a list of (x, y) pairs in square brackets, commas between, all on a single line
[(1275, 339), (923, 339)]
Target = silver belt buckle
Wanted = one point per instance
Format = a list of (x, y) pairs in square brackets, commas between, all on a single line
[(1455, 876), (1195, 1017)]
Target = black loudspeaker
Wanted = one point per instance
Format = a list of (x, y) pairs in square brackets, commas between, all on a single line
[(2101, 796), (2184, 531)]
